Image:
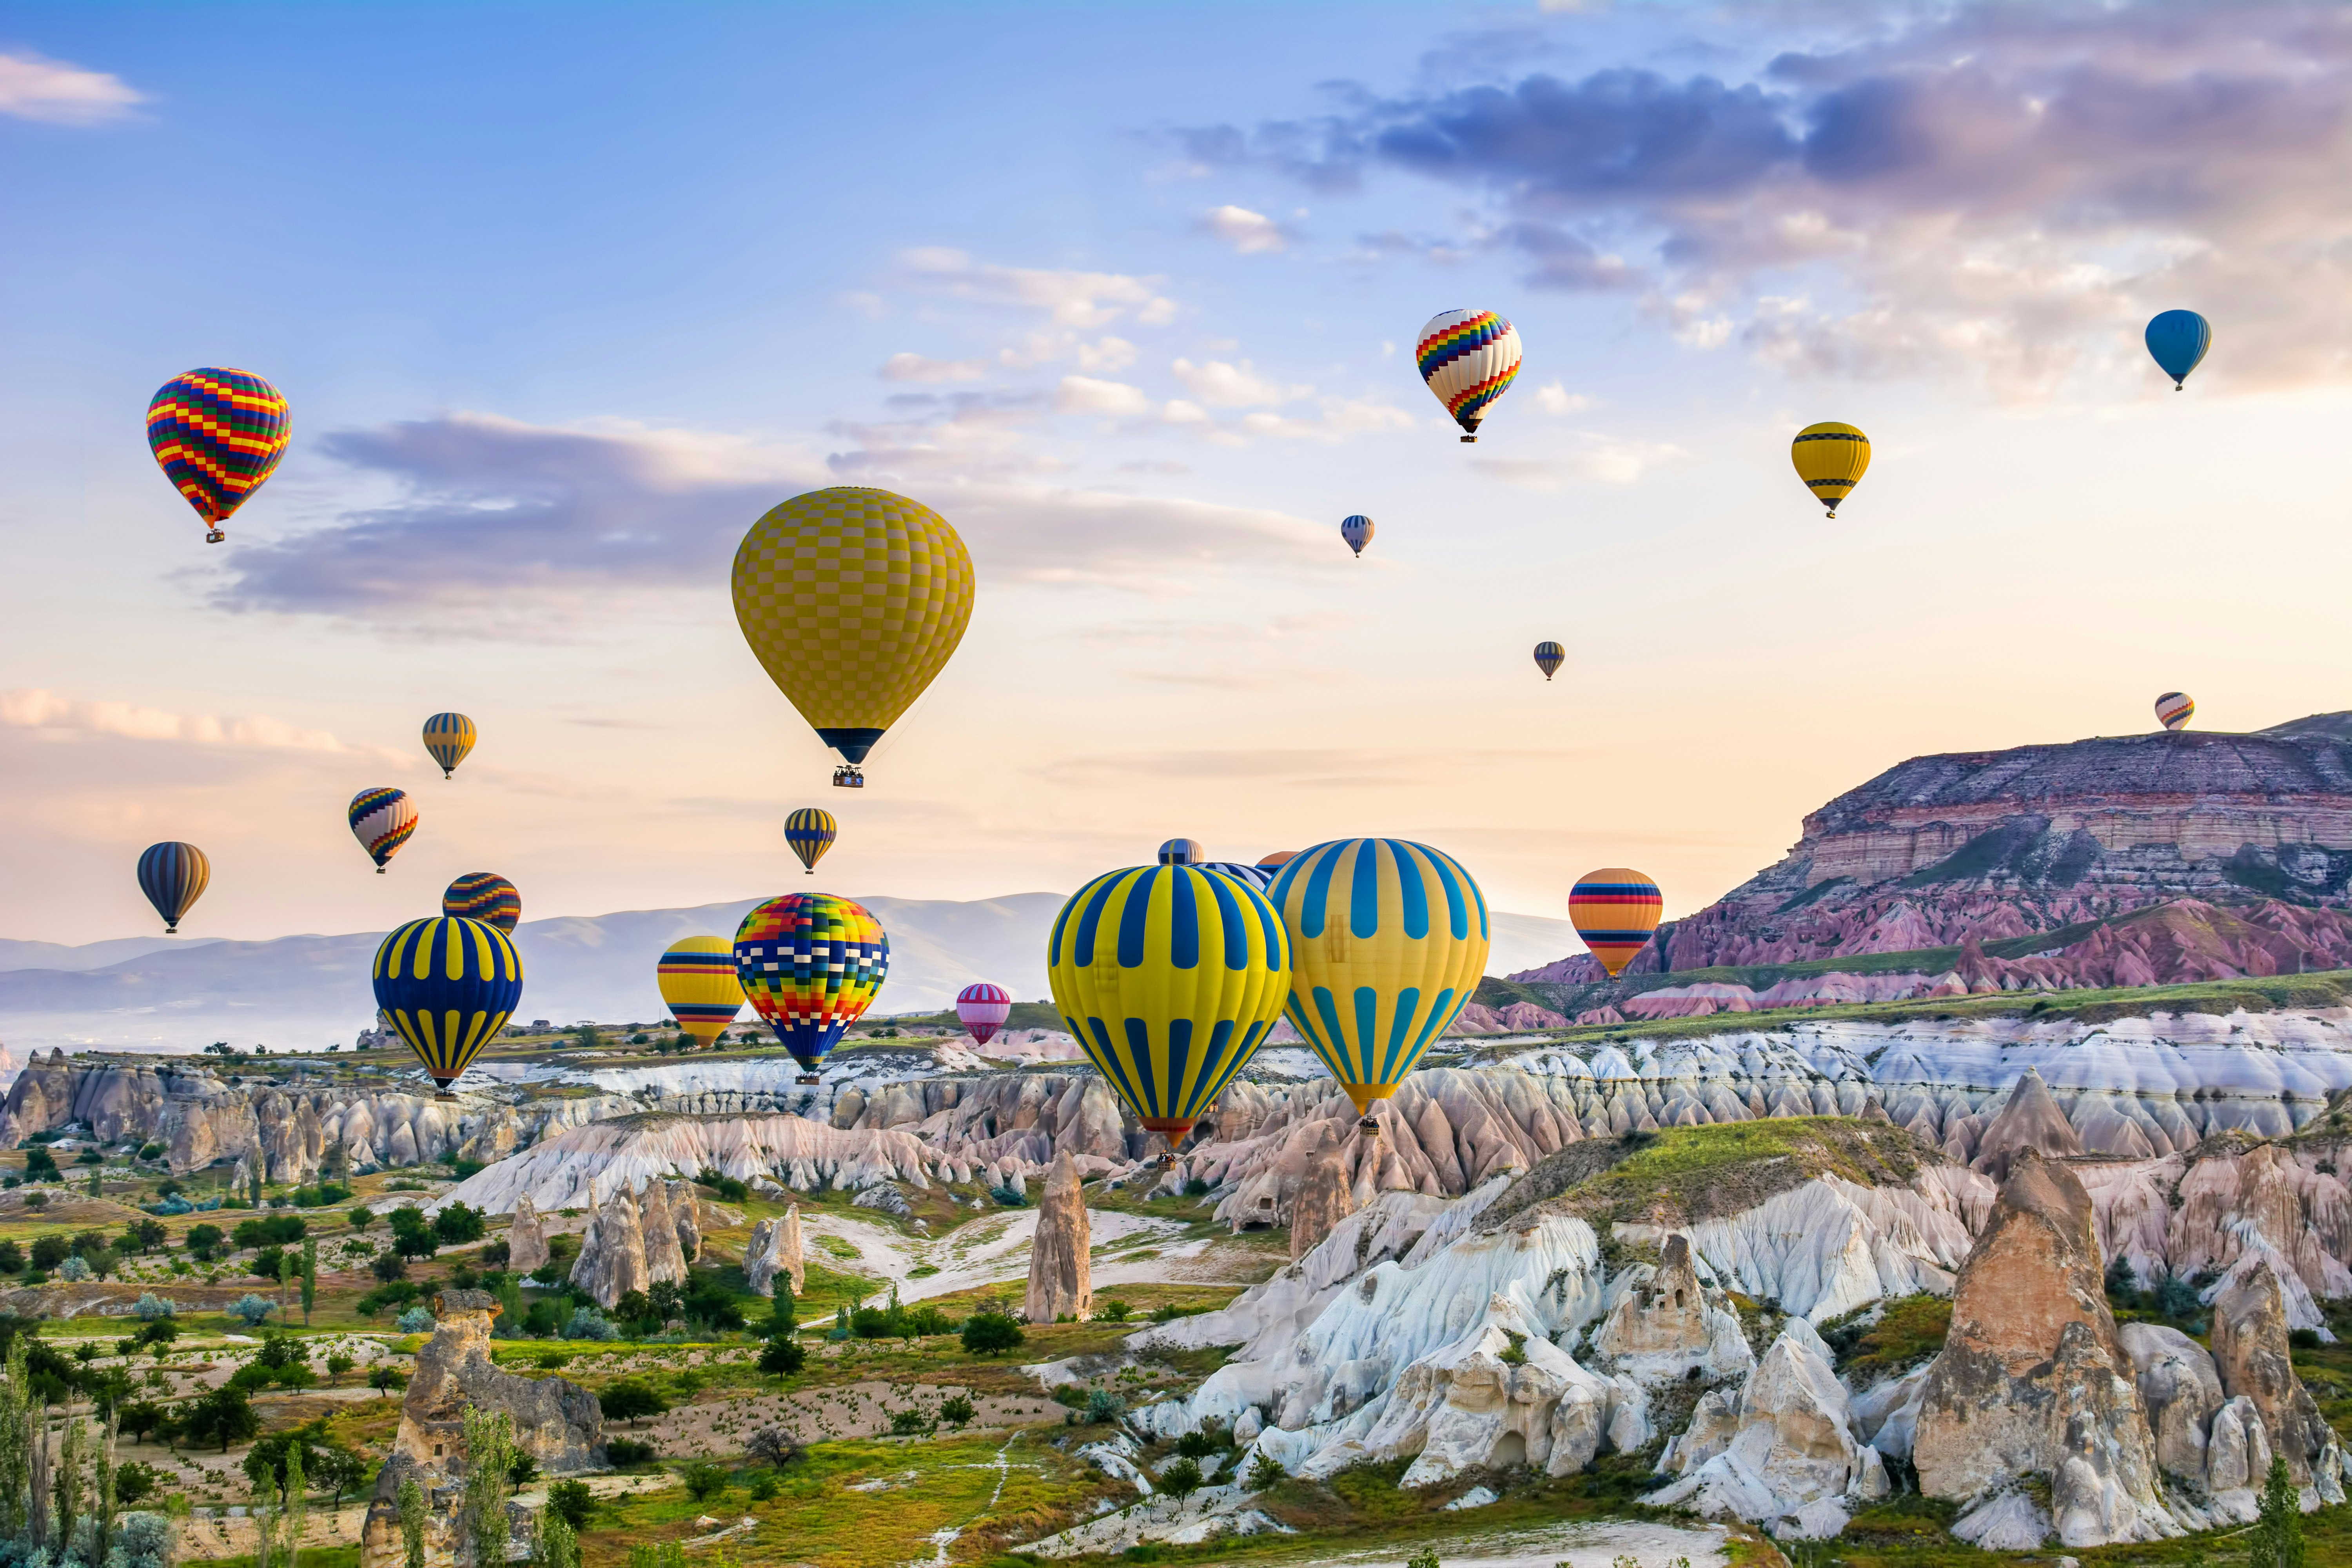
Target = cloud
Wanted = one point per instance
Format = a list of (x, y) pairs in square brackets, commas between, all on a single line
[(1082, 395), (32, 708), (1554, 398), (51, 91), (1223, 385), (915, 367), (2002, 188), (1339, 420), (1250, 232), (1602, 460), (1105, 353), (1086, 302), (496, 527)]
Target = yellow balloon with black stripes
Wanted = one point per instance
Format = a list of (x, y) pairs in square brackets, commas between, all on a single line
[(448, 984), (1170, 977), (1831, 458), (1388, 941), (448, 738)]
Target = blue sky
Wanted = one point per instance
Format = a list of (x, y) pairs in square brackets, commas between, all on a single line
[(565, 297)]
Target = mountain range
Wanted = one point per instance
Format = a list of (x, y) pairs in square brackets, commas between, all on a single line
[(302, 992)]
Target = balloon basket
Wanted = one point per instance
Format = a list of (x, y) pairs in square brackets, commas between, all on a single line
[(810, 1077), (1467, 439), (1369, 1125), (213, 535), (445, 1094), (378, 870)]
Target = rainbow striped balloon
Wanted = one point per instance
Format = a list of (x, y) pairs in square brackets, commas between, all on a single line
[(811, 964), (1614, 909), (487, 896), (448, 985), (448, 738), (982, 1008), (1388, 941), (218, 435), (382, 820), (2174, 710), (809, 833), (1170, 977), (1469, 358), (700, 985)]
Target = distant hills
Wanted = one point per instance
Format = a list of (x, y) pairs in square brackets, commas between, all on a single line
[(302, 992)]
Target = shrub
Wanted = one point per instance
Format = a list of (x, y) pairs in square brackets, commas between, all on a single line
[(12, 1257), (1427, 1558), (1196, 1188), (1180, 1479), (73, 1269), (782, 1358), (152, 1308), (992, 1333), (1102, 1405), (457, 1225), (764, 1487), (253, 1309), (907, 1423), (957, 1410), (1010, 1197), (204, 1240), (2304, 1339), (1197, 1444), (135, 1482), (416, 1321), (339, 1363), (1118, 1311), (1263, 1473), (388, 1267), (588, 1323), (572, 1502), (774, 1447), (553, 1361), (630, 1400), (361, 1217), (627, 1451), (384, 1378)]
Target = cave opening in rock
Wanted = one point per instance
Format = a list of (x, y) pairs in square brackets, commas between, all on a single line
[(1511, 1452)]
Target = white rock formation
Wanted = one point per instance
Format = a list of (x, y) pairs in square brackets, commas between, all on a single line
[(1664, 1326), (775, 1253)]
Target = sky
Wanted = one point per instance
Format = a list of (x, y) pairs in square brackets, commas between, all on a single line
[(565, 297)]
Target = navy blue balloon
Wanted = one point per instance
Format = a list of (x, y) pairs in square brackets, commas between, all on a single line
[(2178, 339)]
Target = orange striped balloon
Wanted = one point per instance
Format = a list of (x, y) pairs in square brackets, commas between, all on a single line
[(2175, 709), (1614, 909)]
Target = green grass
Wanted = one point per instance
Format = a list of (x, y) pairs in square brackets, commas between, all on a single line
[(1910, 1330), (1692, 1173)]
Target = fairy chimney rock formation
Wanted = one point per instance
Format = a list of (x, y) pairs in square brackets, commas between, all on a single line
[(1324, 1200), (612, 1260), (2250, 1350), (775, 1253), (526, 1238), (2031, 1121), (556, 1422), (658, 1229), (1060, 1280)]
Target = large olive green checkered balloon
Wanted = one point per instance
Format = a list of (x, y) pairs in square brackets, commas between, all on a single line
[(852, 599)]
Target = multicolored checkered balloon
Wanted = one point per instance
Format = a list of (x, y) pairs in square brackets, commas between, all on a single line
[(218, 435)]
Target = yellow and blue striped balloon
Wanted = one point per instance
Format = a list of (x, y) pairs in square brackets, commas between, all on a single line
[(700, 985), (809, 833), (173, 876), (448, 984), (1170, 977), (448, 738), (1388, 941)]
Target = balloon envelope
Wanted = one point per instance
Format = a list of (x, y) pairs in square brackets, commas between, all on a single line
[(1258, 876), (2178, 340), (382, 820), (2175, 709), (487, 896), (809, 833), (700, 985), (1614, 909), (1169, 976), (448, 738), (1831, 458), (1549, 656), (1357, 531), (981, 1009), (1279, 859), (173, 876), (1182, 852), (448, 985), (1388, 941), (811, 964), (1468, 358), (218, 435), (852, 599)]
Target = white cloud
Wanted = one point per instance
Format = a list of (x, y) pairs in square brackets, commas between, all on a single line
[(50, 90), (1221, 384), (915, 367), (1179, 411), (1084, 394), (1554, 398), (32, 708), (1086, 302), (1105, 353), (1247, 232), (1602, 460), (1338, 420)]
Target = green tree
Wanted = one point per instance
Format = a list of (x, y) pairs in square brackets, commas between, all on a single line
[(558, 1546), (298, 1505), (2277, 1535), (1180, 1479), (992, 1333), (630, 1400), (40, 1165), (410, 1503), (309, 1278), (224, 1415), (574, 1501), (490, 1459), (66, 1491)]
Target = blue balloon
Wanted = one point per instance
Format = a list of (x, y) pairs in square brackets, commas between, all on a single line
[(2178, 339)]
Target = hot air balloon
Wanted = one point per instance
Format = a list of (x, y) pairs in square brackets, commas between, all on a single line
[(981, 1009), (487, 896), (218, 435), (1549, 656), (1614, 910), (1468, 358), (811, 964), (852, 599), (382, 820), (1831, 458), (448, 985), (1170, 977), (700, 985), (1258, 876), (174, 877), (1182, 852), (2178, 339), (1358, 532), (1388, 941), (2173, 710), (1279, 859), (448, 738), (809, 833)]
